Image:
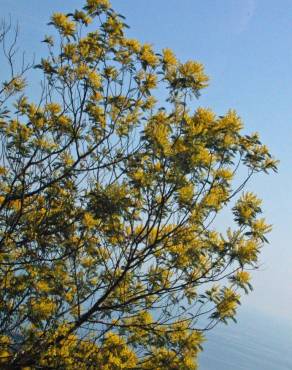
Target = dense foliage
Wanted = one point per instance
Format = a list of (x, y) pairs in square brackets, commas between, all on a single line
[(109, 255)]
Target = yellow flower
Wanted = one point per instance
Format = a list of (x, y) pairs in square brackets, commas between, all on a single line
[(94, 5), (63, 24), (44, 144), (53, 108), (168, 57), (224, 173), (15, 85), (69, 50), (82, 17), (193, 73), (42, 286), (231, 121), (242, 277), (96, 96), (148, 56), (64, 121), (186, 193), (18, 84), (82, 70), (3, 170), (67, 159), (149, 102), (247, 251), (151, 81), (227, 306), (5, 356), (89, 221), (97, 113), (111, 72), (87, 262), (94, 79), (42, 307), (16, 204), (113, 26), (133, 44), (4, 349)]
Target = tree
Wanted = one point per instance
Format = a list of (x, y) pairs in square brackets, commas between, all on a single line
[(109, 254)]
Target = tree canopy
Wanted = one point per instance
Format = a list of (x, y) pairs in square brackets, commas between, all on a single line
[(110, 186)]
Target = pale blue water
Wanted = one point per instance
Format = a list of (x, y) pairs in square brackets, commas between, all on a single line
[(256, 342)]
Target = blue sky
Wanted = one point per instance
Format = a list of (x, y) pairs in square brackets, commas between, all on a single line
[(246, 47)]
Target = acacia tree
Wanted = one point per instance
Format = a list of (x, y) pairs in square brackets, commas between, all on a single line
[(109, 255)]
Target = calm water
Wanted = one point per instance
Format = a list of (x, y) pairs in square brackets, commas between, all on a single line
[(256, 342)]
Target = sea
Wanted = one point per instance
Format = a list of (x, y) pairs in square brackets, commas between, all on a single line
[(256, 342)]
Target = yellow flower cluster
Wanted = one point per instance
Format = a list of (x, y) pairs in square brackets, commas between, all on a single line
[(42, 307), (150, 81), (158, 130), (89, 48), (193, 70), (169, 58), (133, 45), (216, 197), (80, 16), (247, 207), (115, 354), (97, 113), (94, 79), (228, 303), (5, 355), (230, 121), (53, 108), (186, 194), (147, 55), (247, 251), (243, 277), (17, 84), (63, 24), (94, 5), (3, 171), (114, 25), (89, 221), (64, 122)]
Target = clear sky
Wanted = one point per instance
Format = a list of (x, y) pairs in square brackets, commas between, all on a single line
[(246, 47)]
